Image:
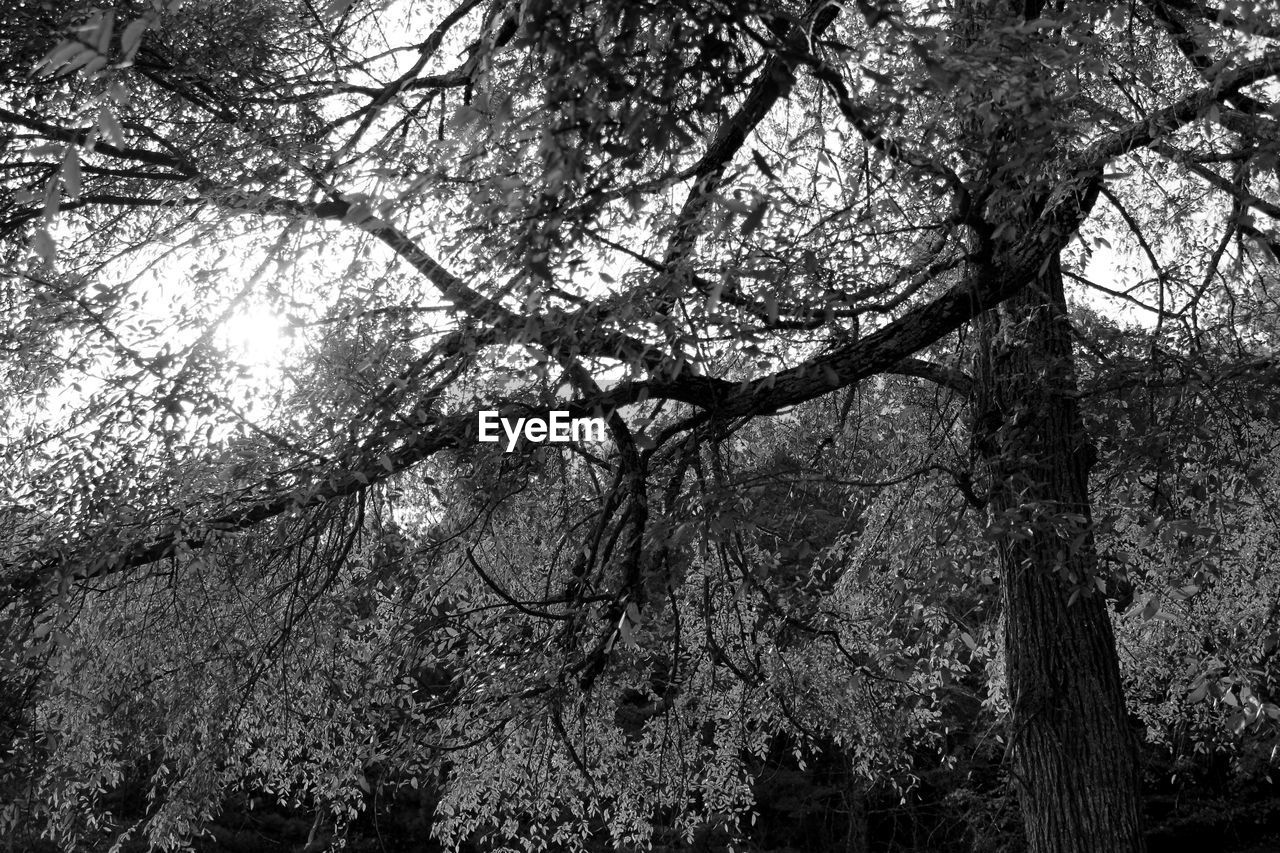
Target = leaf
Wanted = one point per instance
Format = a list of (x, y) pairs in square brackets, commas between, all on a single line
[(755, 217), (131, 38), (732, 204), (61, 54), (108, 127), (81, 59), (95, 65), (882, 79), (104, 29), (119, 93), (771, 306), (713, 297), (625, 634), (1151, 608), (336, 9), (42, 245), (71, 171), (763, 165)]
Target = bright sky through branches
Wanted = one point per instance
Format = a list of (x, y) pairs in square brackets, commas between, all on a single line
[(256, 337)]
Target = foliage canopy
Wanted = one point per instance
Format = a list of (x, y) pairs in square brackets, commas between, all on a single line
[(756, 238)]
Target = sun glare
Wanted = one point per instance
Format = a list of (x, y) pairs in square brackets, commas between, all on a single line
[(257, 338)]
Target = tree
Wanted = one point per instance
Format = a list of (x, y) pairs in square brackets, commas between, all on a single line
[(681, 216)]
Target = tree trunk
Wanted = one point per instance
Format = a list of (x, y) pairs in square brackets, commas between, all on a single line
[(1074, 759)]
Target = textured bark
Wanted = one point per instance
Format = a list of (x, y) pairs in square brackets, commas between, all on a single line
[(1074, 757)]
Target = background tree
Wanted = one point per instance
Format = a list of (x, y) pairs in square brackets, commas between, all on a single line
[(686, 217)]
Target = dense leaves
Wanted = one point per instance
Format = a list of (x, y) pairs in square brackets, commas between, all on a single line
[(264, 263)]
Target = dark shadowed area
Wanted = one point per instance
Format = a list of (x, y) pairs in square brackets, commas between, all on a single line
[(937, 501)]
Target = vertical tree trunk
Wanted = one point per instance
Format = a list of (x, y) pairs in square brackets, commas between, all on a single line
[(1074, 757)]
